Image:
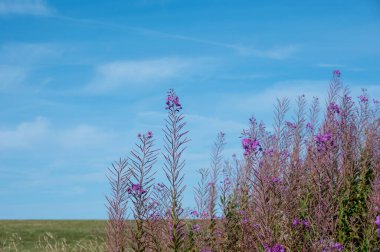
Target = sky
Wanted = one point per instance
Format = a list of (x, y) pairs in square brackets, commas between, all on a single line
[(80, 79)]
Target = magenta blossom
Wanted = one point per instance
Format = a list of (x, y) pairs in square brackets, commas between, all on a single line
[(377, 221), (194, 213), (250, 146), (323, 141), (337, 73), (276, 248), (363, 98), (136, 188), (172, 101), (296, 222), (333, 108), (337, 247)]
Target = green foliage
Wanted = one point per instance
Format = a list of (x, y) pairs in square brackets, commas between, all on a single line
[(353, 212), (232, 226)]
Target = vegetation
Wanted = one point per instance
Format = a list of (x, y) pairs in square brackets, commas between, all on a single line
[(310, 184), (52, 235)]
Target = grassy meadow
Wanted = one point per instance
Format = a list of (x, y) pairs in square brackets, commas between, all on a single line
[(52, 235)]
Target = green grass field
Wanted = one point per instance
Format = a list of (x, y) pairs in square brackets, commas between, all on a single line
[(52, 235)]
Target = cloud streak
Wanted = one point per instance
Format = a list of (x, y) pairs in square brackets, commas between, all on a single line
[(25, 7), (275, 53), (134, 73)]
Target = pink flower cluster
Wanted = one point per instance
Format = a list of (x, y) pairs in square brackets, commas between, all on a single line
[(148, 135), (297, 222), (172, 101), (377, 222), (333, 108), (323, 141), (363, 98), (250, 146), (276, 248), (337, 73), (136, 189)]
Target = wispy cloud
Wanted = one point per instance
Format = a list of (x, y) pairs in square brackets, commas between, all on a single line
[(329, 65), (277, 52), (14, 53), (25, 135), (25, 7), (39, 134), (134, 73), (11, 76)]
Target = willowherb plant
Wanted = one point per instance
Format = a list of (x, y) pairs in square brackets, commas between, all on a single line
[(175, 144), (117, 206), (141, 181), (216, 168)]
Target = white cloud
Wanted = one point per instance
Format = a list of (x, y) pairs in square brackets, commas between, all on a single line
[(114, 75), (39, 134), (82, 136), (25, 135), (25, 7), (14, 53), (11, 76), (277, 53)]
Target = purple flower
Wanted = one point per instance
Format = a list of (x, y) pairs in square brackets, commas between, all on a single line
[(323, 141), (250, 146), (363, 98), (337, 73), (337, 247), (150, 134), (139, 135), (276, 248), (245, 220), (172, 101), (136, 188), (305, 223), (377, 221), (333, 108), (296, 222), (194, 213), (196, 228), (276, 180)]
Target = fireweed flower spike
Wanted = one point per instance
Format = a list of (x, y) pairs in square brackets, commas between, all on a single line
[(333, 108), (175, 140), (337, 73), (363, 98), (142, 158), (250, 146)]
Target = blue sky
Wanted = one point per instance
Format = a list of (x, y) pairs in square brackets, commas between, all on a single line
[(80, 79)]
